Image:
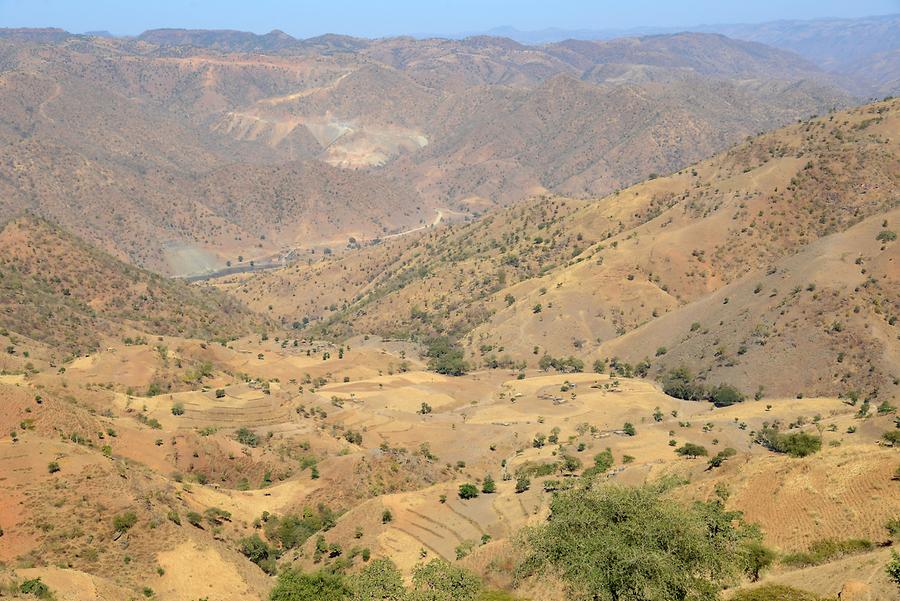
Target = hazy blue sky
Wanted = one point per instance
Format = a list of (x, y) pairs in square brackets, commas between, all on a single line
[(304, 18)]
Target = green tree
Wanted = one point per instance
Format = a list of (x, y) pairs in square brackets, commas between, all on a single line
[(294, 585), (680, 383), (445, 357), (690, 449), (380, 580), (468, 491), (488, 486), (758, 557), (438, 580), (617, 543)]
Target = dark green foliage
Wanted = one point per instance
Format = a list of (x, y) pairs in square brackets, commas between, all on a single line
[(259, 552), (719, 458), (566, 365), (488, 486), (294, 585), (446, 357), (194, 519), (53, 467), (633, 543), (468, 491), (438, 580), (291, 530), (178, 409), (680, 383), (822, 551), (380, 580), (36, 588), (690, 449), (795, 444), (724, 395), (124, 521), (628, 428)]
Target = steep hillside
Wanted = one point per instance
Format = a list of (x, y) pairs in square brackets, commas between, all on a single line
[(142, 146), (742, 230), (60, 292)]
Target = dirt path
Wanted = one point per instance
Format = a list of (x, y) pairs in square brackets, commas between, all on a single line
[(57, 90)]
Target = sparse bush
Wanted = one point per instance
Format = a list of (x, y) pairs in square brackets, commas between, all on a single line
[(53, 467), (178, 409), (826, 550), (124, 521), (246, 436)]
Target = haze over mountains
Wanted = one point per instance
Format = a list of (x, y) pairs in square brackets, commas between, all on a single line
[(149, 147)]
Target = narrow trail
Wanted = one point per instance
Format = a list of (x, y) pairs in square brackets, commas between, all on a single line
[(57, 90)]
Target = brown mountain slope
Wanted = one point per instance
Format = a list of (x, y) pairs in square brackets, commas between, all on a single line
[(133, 144), (568, 277), (57, 290)]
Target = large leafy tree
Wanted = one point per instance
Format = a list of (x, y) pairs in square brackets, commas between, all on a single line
[(618, 543)]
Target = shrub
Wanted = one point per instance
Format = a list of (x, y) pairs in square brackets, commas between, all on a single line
[(724, 395), (488, 486), (247, 436), (291, 530), (892, 437), (893, 568), (522, 484), (825, 550), (690, 449), (438, 580), (124, 521), (194, 519), (566, 365), (795, 444), (445, 357), (379, 580), (628, 428), (53, 467), (36, 588), (387, 516), (719, 458), (178, 409), (259, 552), (220, 393), (468, 491), (680, 383), (294, 585)]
